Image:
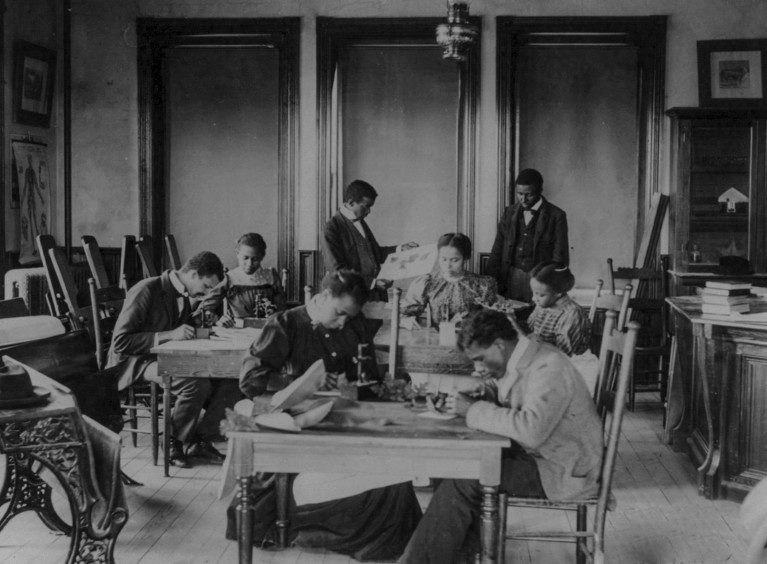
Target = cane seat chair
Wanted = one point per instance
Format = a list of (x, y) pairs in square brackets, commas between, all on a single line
[(615, 364)]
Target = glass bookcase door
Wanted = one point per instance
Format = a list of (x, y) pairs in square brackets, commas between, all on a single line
[(720, 198)]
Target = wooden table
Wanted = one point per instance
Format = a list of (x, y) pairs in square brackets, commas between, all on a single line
[(197, 358), (409, 445), (54, 436), (717, 397)]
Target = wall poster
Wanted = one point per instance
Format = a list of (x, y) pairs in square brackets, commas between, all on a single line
[(30, 192)]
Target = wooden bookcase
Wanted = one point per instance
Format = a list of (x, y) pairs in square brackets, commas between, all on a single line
[(715, 153)]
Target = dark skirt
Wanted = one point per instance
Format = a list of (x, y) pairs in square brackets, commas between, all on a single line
[(374, 525)]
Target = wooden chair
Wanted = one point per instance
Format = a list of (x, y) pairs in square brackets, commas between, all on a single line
[(55, 300), (128, 261), (174, 260), (106, 304), (603, 303), (77, 305), (648, 307), (146, 255), (95, 261), (615, 362)]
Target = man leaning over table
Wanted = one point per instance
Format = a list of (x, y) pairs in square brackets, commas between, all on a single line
[(539, 400), (348, 242), (157, 310)]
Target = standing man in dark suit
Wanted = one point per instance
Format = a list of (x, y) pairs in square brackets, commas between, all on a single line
[(348, 242), (531, 231), (157, 310)]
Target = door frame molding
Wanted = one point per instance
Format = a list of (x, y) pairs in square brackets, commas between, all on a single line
[(333, 35), (646, 33), (155, 35)]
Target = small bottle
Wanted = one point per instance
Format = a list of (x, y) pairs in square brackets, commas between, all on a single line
[(695, 257)]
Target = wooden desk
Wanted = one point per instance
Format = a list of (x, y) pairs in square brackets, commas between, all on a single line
[(420, 351), (54, 436), (717, 397), (409, 445), (197, 358)]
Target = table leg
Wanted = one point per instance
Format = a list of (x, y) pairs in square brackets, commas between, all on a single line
[(489, 524), (245, 520), (166, 378), (282, 510), (24, 490)]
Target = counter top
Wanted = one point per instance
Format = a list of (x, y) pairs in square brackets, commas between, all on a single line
[(690, 307)]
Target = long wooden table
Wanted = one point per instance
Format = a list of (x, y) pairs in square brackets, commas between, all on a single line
[(388, 439)]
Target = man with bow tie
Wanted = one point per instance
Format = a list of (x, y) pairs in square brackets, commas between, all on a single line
[(348, 242), (531, 231)]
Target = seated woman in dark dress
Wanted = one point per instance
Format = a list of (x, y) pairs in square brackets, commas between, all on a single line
[(453, 290), (250, 290), (375, 524)]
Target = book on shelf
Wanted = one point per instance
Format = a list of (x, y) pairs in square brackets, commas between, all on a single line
[(723, 292), (721, 299), (725, 309), (728, 285)]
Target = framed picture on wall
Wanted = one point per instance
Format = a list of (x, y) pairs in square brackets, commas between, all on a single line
[(731, 73), (33, 76)]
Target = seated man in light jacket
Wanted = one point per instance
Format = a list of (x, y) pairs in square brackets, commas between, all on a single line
[(540, 401)]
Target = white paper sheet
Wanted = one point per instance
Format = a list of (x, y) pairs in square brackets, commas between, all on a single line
[(410, 263)]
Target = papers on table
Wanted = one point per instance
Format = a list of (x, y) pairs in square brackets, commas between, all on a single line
[(245, 335), (410, 263)]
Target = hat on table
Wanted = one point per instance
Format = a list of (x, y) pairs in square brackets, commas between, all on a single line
[(16, 389)]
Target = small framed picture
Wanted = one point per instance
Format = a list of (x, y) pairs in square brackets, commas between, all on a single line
[(34, 72), (731, 73)]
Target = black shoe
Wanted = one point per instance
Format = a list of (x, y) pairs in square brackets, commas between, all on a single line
[(204, 450), (176, 455)]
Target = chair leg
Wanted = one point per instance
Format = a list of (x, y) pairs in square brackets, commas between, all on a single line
[(154, 415), (581, 544), (133, 419), (501, 543)]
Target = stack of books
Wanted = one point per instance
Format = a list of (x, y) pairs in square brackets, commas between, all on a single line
[(722, 299)]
